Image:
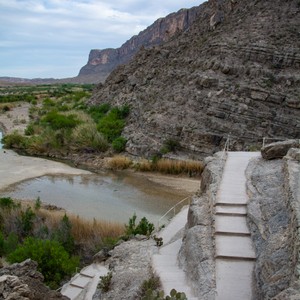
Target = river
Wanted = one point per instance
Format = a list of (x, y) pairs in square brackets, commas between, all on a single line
[(1, 135), (111, 197)]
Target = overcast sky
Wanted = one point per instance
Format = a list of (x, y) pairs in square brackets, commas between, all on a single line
[(52, 38)]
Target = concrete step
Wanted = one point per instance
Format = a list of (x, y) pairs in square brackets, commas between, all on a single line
[(232, 278), (234, 246), (231, 210), (73, 292), (81, 281), (231, 224)]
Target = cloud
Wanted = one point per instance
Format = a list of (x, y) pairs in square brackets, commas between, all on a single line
[(68, 26)]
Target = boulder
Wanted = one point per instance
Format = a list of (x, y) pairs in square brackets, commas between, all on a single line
[(278, 149)]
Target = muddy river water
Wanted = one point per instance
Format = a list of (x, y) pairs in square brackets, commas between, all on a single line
[(112, 197)]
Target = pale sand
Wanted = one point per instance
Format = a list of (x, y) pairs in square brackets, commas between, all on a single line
[(15, 168)]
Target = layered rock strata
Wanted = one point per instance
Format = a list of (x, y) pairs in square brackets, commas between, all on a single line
[(238, 75)]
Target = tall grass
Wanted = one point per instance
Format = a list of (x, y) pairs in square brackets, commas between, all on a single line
[(171, 166), (119, 162), (165, 166), (84, 231)]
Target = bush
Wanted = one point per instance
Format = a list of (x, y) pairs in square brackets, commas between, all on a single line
[(53, 260), (7, 202), (170, 145), (64, 234), (144, 227), (98, 112), (112, 124), (58, 121), (86, 136), (119, 144), (105, 282), (14, 140)]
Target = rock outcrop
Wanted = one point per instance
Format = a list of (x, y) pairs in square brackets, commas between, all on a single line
[(237, 74), (102, 62), (22, 281), (279, 149), (274, 216), (130, 264)]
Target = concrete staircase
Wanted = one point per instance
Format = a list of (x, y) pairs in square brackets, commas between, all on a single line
[(165, 264), (83, 285), (235, 255)]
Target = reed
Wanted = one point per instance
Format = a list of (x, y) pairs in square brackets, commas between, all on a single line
[(171, 166), (83, 231), (119, 162)]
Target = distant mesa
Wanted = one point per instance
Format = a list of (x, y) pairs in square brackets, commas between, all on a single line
[(102, 62)]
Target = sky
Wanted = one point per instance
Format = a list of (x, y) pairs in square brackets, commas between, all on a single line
[(53, 38)]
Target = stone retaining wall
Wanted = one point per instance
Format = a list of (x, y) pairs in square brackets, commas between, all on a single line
[(196, 256)]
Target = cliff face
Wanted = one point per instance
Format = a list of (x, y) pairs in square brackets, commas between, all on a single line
[(102, 62), (235, 71)]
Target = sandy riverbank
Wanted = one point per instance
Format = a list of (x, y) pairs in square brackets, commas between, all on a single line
[(15, 168)]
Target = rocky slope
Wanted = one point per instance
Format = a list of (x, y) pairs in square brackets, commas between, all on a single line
[(22, 281), (102, 62), (235, 71)]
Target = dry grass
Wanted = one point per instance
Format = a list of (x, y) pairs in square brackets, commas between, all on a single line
[(170, 166), (84, 231), (119, 162)]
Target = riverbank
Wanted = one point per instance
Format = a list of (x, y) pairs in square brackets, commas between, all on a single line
[(15, 168)]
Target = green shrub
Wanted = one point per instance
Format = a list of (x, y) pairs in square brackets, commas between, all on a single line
[(111, 127), (7, 202), (87, 136), (98, 112), (14, 140), (159, 295), (119, 144), (153, 284), (112, 124), (144, 227), (170, 145), (53, 260), (105, 282), (64, 234), (58, 121), (29, 129), (9, 244), (27, 221)]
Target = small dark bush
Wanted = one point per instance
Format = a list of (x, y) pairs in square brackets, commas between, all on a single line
[(144, 227), (119, 144)]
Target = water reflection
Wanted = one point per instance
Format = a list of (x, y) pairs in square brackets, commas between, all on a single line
[(1, 135), (113, 197)]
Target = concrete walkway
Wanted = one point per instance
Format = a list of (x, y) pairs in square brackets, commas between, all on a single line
[(165, 264), (235, 254), (83, 285)]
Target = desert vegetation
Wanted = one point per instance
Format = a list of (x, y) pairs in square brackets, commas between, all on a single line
[(58, 242), (60, 121)]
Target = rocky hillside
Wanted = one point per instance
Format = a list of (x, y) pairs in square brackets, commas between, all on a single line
[(102, 62), (235, 71)]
